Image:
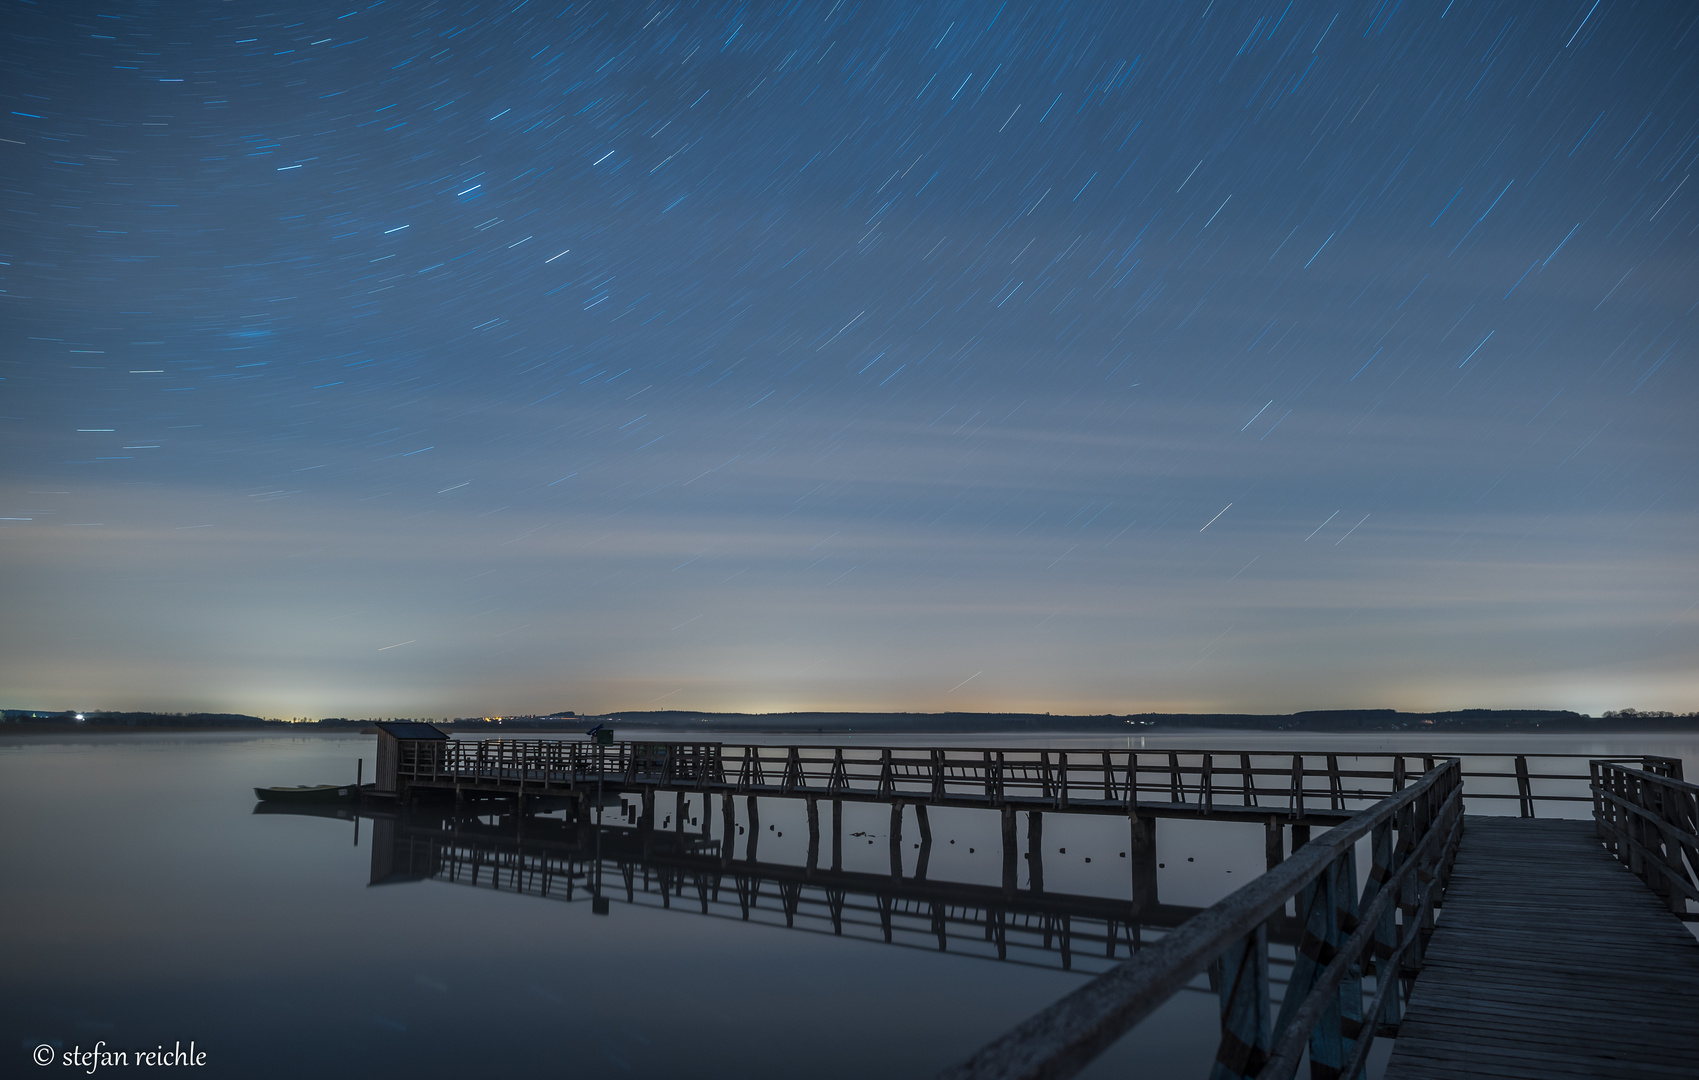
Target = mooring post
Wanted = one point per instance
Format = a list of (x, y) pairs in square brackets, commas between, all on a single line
[(837, 834), (1009, 830), (1035, 850), (1274, 842), (1141, 852), (680, 808), (813, 834), (754, 829)]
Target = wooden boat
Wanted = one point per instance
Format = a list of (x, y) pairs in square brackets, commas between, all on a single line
[(307, 793)]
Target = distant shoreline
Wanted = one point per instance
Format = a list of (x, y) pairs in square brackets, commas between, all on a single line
[(698, 724)]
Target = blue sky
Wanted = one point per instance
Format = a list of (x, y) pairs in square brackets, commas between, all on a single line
[(481, 358)]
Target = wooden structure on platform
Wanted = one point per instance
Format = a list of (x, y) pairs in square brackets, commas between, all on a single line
[(401, 743)]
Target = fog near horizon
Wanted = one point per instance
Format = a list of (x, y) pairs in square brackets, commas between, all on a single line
[(1082, 358)]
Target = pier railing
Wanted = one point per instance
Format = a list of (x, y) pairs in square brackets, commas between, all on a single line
[(1256, 784), (1651, 823), (1347, 935)]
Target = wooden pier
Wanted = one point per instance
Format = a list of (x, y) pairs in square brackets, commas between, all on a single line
[(1551, 960), (1485, 946)]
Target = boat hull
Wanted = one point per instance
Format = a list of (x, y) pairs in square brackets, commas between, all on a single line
[(318, 793)]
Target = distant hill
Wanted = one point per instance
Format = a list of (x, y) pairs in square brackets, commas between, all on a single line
[(1319, 720), (69, 718), (794, 723)]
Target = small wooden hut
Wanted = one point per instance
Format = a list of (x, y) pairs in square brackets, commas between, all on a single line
[(400, 740)]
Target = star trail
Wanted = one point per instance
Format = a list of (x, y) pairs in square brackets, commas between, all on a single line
[(454, 358)]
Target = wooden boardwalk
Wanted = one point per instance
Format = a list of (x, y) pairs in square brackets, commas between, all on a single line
[(1550, 960)]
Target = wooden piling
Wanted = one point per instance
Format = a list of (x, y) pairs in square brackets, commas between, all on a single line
[(1035, 850), (1009, 867), (837, 834)]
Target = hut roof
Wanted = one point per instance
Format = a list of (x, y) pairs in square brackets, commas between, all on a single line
[(409, 730)]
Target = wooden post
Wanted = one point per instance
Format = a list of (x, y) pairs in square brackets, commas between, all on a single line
[(754, 829), (925, 826), (896, 840), (1300, 837), (728, 815), (1524, 789), (837, 834), (1273, 842), (680, 808), (1009, 879), (1141, 852), (813, 834), (1035, 850), (1382, 866), (1241, 978)]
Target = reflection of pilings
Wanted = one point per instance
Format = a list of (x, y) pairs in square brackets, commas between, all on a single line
[(553, 857)]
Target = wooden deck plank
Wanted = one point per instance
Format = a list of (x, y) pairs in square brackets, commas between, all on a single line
[(1550, 960)]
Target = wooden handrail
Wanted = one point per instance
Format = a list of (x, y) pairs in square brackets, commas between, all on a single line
[(1062, 1039), (1651, 823), (1294, 786)]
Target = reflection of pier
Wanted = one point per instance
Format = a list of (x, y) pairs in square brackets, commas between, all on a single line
[(579, 862)]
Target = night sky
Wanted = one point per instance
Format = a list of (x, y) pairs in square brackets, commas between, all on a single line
[(445, 358)]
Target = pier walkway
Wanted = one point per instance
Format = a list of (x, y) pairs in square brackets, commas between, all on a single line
[(1550, 959)]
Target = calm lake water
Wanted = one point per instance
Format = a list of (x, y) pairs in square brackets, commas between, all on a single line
[(145, 904)]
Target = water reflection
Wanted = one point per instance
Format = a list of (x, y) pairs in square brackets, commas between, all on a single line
[(580, 861)]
